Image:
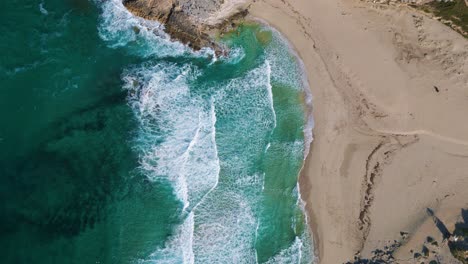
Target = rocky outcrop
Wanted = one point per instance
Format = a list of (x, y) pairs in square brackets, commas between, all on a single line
[(184, 20)]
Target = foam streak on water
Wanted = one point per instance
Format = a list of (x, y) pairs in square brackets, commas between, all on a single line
[(295, 78), (177, 141), (209, 140), (177, 136), (270, 93), (42, 9), (213, 141)]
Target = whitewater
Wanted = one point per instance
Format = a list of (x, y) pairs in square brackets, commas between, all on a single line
[(228, 135)]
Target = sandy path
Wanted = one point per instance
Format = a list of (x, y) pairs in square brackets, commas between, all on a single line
[(390, 90)]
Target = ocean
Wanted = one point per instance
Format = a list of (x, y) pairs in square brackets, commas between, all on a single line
[(118, 145)]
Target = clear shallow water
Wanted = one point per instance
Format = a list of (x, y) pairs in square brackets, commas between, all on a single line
[(119, 146)]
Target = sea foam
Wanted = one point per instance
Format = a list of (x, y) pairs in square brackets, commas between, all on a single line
[(42, 9), (206, 145), (120, 28), (177, 142)]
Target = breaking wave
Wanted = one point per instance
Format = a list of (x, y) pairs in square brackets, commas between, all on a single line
[(206, 142)]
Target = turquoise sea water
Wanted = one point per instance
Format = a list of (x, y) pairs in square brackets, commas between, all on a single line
[(119, 146)]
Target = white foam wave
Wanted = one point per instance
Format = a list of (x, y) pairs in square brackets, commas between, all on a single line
[(177, 250), (309, 123), (292, 254), (225, 218), (283, 62), (236, 54), (177, 142), (42, 9), (119, 28), (289, 69), (225, 222), (177, 136), (215, 149), (270, 92), (248, 100), (308, 132)]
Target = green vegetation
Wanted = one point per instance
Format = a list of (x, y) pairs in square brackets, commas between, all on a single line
[(459, 247), (454, 14), (460, 255)]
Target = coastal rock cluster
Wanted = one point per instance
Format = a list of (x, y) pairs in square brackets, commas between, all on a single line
[(187, 21), (450, 246)]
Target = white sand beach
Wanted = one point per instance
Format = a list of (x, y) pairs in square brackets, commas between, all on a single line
[(390, 103)]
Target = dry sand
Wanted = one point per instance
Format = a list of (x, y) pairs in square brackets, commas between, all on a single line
[(390, 88)]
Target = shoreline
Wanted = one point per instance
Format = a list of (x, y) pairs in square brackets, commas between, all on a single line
[(308, 96), (303, 183), (308, 124), (382, 135)]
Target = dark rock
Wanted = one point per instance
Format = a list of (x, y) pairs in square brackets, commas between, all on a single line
[(182, 19), (425, 251)]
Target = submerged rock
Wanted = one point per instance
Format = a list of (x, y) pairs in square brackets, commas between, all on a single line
[(190, 22)]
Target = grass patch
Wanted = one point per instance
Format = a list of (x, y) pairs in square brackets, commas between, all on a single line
[(460, 255), (456, 12)]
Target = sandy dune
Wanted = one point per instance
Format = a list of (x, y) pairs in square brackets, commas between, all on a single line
[(390, 88)]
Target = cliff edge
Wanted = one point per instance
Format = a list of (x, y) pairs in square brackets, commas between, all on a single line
[(191, 22)]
